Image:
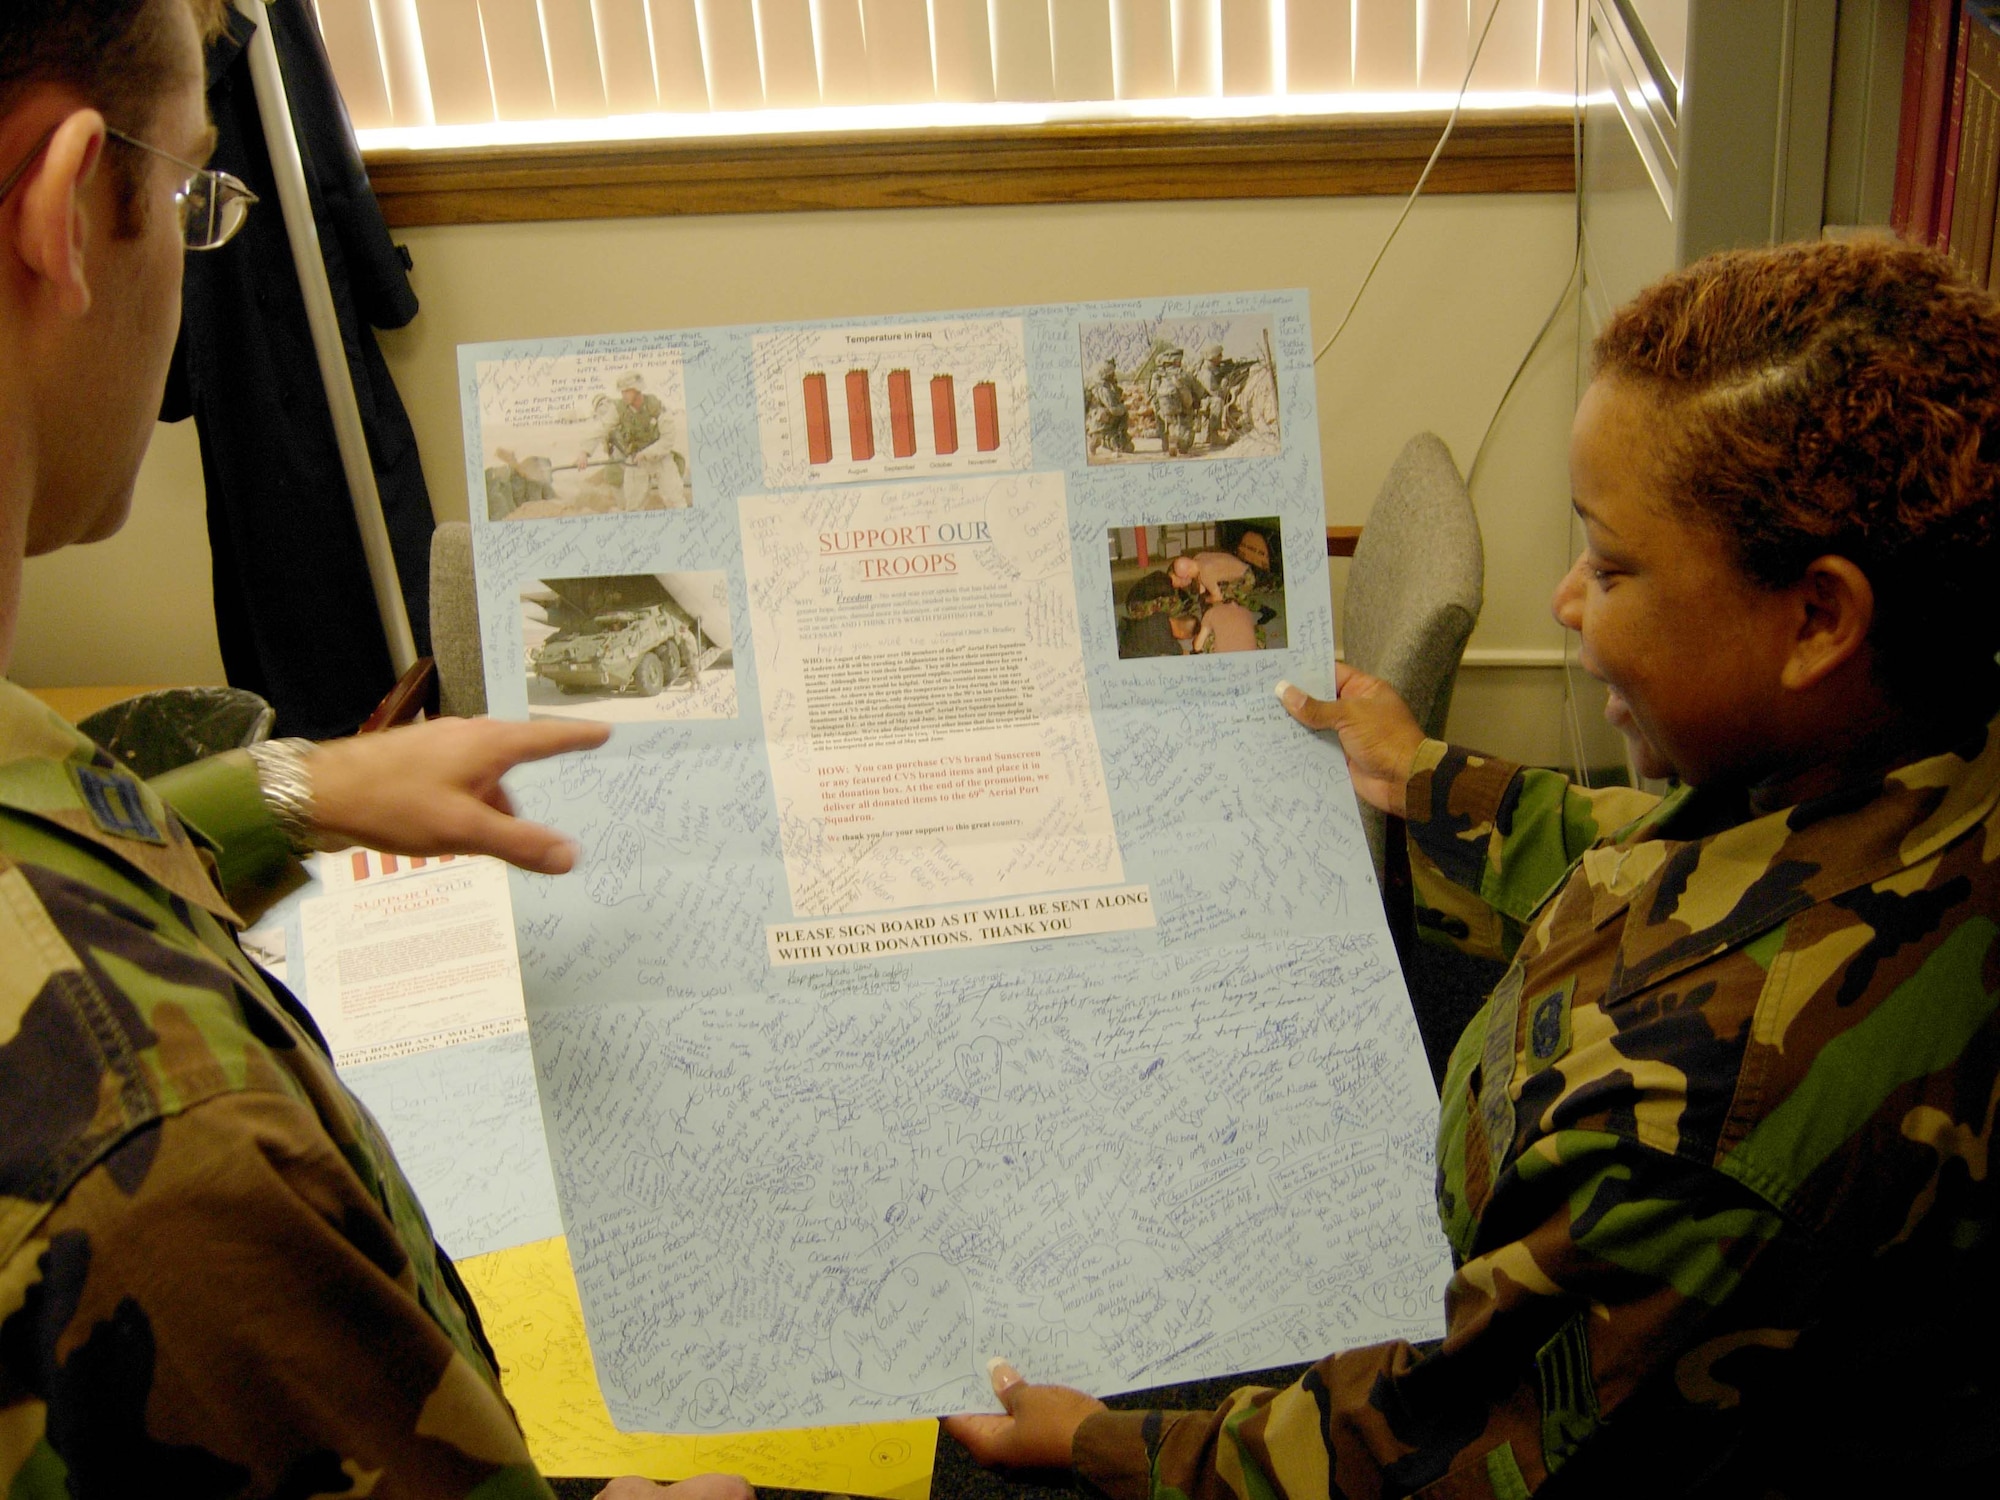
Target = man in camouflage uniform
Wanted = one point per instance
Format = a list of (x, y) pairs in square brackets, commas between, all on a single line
[(214, 1278), (1105, 416), (632, 437), (1176, 396)]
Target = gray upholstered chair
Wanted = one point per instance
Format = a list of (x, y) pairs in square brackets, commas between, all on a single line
[(455, 623), (1414, 591), (452, 679)]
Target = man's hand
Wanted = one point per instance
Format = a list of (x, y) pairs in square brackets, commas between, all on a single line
[(1378, 733), (1038, 1430), (434, 788), (699, 1487)]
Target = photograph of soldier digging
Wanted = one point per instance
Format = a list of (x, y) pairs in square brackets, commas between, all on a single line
[(214, 1278)]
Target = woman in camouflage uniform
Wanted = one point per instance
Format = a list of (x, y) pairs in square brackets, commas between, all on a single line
[(1715, 1158)]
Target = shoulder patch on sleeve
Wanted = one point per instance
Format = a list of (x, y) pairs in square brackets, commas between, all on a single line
[(1496, 1069)]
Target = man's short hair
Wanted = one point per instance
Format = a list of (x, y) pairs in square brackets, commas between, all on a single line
[(115, 53)]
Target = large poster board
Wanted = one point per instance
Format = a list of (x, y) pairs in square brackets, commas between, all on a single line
[(968, 956)]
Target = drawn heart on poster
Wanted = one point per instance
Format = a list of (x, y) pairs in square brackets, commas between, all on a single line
[(913, 1332), (979, 1067)]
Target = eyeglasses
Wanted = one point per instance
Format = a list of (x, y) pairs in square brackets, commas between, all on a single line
[(212, 205)]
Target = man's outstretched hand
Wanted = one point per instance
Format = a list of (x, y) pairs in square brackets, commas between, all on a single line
[(1378, 733), (1038, 1430), (434, 788)]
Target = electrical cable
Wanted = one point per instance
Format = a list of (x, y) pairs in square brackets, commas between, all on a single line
[(1572, 720), (1423, 177), (1571, 281), (1572, 643)]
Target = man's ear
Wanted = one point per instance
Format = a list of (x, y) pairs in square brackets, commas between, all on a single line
[(53, 229), (1837, 610)]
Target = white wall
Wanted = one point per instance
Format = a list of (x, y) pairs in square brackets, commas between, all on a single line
[(1449, 314), (136, 609)]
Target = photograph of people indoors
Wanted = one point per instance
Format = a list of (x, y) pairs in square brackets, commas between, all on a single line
[(1199, 588)]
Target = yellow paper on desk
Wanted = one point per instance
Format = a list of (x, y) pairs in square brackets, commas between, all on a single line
[(528, 1300)]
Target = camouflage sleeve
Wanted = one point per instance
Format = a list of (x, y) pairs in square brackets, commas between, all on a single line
[(1636, 1264), (220, 1308), (220, 797), (1490, 839)]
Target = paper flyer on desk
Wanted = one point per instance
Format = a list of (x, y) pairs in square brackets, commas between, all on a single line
[(993, 967)]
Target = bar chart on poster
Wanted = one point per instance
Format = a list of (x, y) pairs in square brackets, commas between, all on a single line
[(966, 954), (843, 405)]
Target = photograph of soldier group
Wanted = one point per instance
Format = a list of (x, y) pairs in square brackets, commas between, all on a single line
[(1202, 388), (625, 459), (1198, 589)]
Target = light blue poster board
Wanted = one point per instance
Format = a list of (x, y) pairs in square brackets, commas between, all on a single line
[(942, 978)]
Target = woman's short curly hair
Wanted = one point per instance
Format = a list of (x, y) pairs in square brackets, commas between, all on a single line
[(1837, 398)]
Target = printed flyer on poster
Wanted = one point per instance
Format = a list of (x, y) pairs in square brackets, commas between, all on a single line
[(966, 954), (924, 708)]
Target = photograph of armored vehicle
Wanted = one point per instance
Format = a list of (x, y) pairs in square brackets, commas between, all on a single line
[(619, 635)]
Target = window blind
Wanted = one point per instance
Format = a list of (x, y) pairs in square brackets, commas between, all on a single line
[(410, 64)]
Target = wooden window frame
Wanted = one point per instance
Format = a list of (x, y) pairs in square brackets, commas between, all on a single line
[(1527, 151)]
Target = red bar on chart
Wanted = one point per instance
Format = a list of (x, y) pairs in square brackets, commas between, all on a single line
[(985, 416), (902, 416), (944, 416), (819, 421), (360, 863), (388, 864), (860, 418)]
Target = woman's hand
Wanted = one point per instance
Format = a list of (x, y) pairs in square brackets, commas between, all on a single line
[(1038, 1430), (434, 788), (1377, 731)]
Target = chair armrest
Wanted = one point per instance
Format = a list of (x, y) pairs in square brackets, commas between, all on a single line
[(415, 692)]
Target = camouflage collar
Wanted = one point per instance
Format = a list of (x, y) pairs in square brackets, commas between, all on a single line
[(51, 772), (1689, 901)]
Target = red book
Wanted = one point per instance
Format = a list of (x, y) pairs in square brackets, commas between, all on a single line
[(1927, 165), (1947, 187), (1912, 114)]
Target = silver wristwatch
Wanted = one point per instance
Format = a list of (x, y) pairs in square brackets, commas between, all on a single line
[(286, 785)]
